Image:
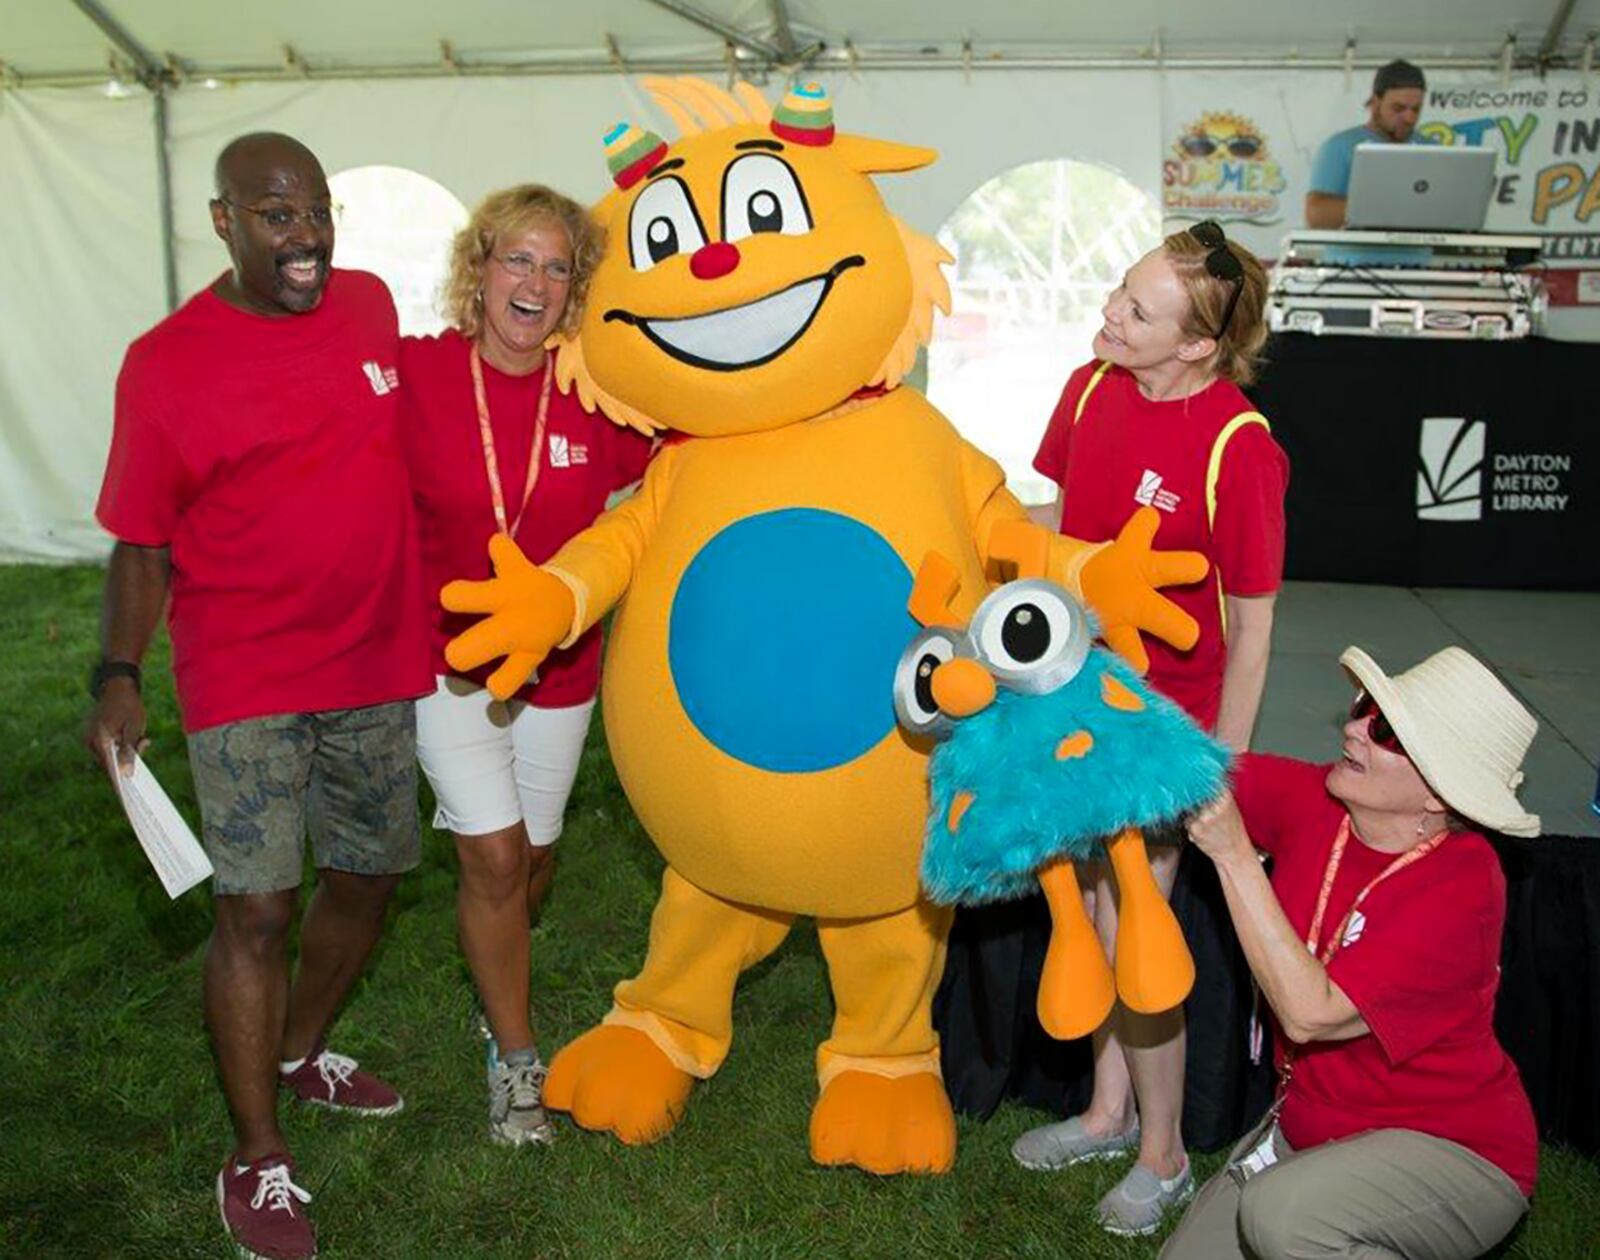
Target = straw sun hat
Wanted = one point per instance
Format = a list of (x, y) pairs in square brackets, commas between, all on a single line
[(1463, 730)]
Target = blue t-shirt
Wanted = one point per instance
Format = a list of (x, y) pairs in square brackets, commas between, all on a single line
[(1330, 169)]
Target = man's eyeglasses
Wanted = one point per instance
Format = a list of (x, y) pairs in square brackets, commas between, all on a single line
[(556, 270), (281, 218), (1222, 264), (1379, 731)]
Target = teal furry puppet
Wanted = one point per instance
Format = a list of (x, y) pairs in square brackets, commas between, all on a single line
[(1052, 750)]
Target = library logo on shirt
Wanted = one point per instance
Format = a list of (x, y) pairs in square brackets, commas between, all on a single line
[(565, 453), (1353, 930), (1151, 494), (382, 379)]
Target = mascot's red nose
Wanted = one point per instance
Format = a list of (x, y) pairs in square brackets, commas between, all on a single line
[(713, 260)]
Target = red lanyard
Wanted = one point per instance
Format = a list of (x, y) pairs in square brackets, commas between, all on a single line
[(1331, 873), (486, 432), (1336, 941)]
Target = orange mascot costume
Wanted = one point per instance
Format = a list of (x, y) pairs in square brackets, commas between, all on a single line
[(758, 301)]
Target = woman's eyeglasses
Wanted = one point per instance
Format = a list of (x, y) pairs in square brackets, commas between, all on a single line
[(1221, 264), (557, 270), (1379, 731)]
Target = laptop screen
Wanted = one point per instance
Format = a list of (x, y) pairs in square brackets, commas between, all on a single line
[(1420, 187)]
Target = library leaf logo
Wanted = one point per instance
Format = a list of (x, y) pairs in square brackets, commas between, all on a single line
[(1450, 470)]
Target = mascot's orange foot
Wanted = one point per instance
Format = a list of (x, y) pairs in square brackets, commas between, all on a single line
[(615, 1079), (885, 1124)]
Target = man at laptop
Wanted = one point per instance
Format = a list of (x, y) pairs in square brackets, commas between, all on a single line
[(1393, 110)]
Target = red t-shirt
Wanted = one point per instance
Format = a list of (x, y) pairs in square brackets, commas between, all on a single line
[(1421, 963), (264, 452), (586, 458), (1126, 452)]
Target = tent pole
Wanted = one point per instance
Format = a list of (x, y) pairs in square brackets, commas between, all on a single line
[(844, 58), (158, 79), (169, 252), (1553, 33)]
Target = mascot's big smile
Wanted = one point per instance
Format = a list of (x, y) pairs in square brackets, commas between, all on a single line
[(746, 335)]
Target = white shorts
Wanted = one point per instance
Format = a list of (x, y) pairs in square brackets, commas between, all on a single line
[(493, 763)]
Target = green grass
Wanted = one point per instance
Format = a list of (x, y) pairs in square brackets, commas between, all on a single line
[(112, 1127)]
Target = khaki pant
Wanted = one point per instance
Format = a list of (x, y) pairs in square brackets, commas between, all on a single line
[(1389, 1193)]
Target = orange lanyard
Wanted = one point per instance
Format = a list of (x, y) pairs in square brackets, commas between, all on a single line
[(1329, 875), (486, 432)]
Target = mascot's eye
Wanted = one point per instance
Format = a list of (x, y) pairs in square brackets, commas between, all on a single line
[(663, 223), (766, 215), (914, 705), (1025, 633), (922, 682), (661, 239), (761, 194), (1032, 635)]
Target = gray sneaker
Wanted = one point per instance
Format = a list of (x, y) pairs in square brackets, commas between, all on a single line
[(1136, 1204), (516, 1104), (1054, 1146)]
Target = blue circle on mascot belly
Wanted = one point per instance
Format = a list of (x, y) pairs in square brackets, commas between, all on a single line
[(785, 633)]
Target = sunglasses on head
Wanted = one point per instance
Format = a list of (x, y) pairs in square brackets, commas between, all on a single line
[(1379, 731), (1221, 264)]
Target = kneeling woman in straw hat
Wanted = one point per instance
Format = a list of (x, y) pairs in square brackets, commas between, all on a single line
[(1401, 1126)]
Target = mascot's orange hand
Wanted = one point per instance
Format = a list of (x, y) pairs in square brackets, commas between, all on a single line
[(529, 613), (1122, 585)]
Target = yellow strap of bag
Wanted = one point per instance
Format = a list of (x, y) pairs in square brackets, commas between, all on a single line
[(1213, 465)]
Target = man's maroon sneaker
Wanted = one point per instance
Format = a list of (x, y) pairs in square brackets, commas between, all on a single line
[(260, 1206), (332, 1080)]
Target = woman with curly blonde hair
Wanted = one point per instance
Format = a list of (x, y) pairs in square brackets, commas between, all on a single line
[(493, 448)]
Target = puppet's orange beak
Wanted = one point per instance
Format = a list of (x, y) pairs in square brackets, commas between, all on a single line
[(962, 687)]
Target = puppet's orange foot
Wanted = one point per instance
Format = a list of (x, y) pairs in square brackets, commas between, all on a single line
[(1155, 970), (885, 1124), (616, 1080)]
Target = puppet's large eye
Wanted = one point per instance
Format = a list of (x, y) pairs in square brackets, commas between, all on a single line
[(663, 223), (914, 704), (1032, 635), (761, 194)]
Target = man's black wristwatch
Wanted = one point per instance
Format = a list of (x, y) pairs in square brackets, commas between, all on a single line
[(105, 671)]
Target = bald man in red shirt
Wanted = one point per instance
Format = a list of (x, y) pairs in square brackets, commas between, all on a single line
[(256, 481)]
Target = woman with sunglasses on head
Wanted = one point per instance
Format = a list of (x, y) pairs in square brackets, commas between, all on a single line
[(1157, 419), (494, 448), (1401, 1127)]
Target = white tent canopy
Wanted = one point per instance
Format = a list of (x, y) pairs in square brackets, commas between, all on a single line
[(57, 40), (112, 113)]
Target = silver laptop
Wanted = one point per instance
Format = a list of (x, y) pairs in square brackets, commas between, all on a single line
[(1420, 187)]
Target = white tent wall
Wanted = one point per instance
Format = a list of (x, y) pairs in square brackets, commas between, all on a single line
[(80, 276), (83, 274), (470, 135), (87, 162), (476, 135)]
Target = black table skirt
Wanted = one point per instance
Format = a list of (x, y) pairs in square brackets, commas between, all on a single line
[(1547, 1017), (1351, 411)]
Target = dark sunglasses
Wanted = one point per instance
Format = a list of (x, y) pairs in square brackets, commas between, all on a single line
[(1378, 729), (1205, 146), (1221, 264)]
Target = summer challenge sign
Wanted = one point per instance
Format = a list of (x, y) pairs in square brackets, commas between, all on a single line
[(1438, 463)]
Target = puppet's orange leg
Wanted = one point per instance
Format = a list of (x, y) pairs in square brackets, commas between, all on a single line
[(1076, 990), (1155, 970)]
